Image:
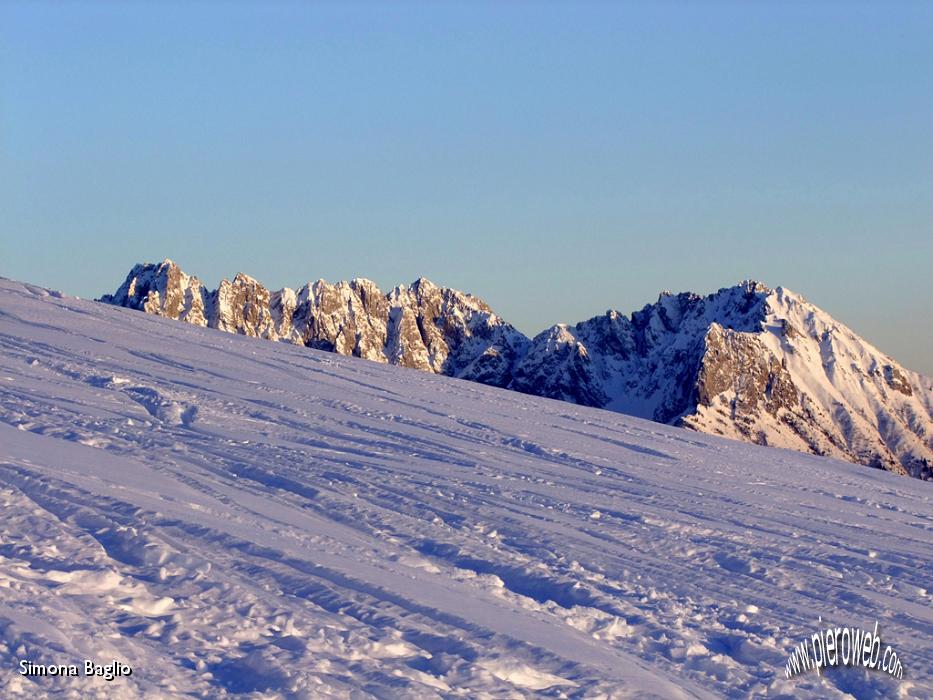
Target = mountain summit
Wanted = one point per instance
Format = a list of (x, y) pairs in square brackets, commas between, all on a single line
[(747, 362)]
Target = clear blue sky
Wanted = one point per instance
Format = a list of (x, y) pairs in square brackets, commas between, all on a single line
[(557, 159)]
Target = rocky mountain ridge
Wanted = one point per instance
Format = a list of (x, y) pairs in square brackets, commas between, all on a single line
[(421, 326), (747, 362)]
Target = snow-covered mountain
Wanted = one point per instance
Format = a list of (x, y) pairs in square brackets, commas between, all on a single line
[(233, 518), (747, 362)]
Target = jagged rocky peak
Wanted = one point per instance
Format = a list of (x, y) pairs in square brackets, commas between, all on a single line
[(243, 306), (282, 307), (459, 334), (826, 391), (638, 364), (558, 366), (348, 318), (162, 289)]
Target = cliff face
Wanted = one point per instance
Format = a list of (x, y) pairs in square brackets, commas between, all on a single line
[(747, 362)]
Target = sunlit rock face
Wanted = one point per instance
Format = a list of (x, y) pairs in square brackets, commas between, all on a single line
[(243, 306), (163, 289)]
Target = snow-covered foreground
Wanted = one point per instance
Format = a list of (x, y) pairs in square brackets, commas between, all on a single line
[(231, 516)]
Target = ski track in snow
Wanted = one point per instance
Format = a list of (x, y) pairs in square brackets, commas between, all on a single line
[(234, 517)]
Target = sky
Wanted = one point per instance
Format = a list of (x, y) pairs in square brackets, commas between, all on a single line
[(556, 159)]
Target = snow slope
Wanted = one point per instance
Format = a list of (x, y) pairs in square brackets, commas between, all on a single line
[(232, 517)]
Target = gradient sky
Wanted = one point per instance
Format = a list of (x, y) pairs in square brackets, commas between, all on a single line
[(556, 159)]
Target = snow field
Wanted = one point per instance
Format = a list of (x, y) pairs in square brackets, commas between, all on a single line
[(232, 517)]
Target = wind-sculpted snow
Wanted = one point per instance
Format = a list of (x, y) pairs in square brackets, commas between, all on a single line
[(235, 517)]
